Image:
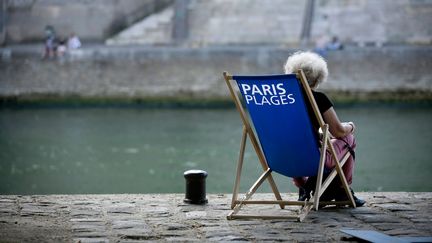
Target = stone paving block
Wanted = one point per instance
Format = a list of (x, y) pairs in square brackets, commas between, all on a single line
[(8, 211), (33, 210), (377, 218), (137, 233), (389, 226), (285, 226), (424, 227), (137, 236), (91, 240), (156, 211), (309, 237), (220, 207), (222, 234), (192, 207), (363, 210), (244, 222), (403, 232), (25, 199), (424, 195), (7, 201), (331, 223), (182, 239), (394, 207), (196, 215), (43, 202), (88, 227), (119, 210), (171, 234), (90, 234), (128, 224), (228, 238), (85, 203), (174, 226), (88, 220), (208, 224), (390, 201), (85, 213), (419, 219)]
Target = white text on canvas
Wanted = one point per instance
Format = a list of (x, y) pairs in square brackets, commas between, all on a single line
[(267, 94)]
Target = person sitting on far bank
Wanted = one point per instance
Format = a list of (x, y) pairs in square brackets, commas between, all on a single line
[(315, 69), (73, 42), (61, 48), (50, 42), (334, 44)]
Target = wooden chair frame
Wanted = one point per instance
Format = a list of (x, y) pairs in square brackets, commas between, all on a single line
[(306, 206)]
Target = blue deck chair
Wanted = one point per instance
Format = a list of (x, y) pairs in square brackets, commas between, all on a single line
[(279, 125)]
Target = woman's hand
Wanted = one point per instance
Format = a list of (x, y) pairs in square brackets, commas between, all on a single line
[(351, 126)]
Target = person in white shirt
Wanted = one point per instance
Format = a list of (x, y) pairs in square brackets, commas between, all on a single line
[(73, 42)]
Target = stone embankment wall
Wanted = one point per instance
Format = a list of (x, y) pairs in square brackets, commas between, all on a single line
[(287, 23), (220, 22), (377, 22), (183, 73), (245, 22), (25, 20), (282, 21)]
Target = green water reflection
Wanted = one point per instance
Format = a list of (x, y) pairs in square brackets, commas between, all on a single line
[(132, 150)]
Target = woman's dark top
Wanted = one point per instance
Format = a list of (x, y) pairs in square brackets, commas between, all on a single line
[(324, 103)]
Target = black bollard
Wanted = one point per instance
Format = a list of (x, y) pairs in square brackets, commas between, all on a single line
[(195, 187)]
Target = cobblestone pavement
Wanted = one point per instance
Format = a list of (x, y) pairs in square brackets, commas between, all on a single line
[(165, 217)]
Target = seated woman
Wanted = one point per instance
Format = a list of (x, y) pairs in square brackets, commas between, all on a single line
[(316, 72)]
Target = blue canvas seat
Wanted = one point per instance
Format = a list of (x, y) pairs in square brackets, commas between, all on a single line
[(277, 112), (276, 105)]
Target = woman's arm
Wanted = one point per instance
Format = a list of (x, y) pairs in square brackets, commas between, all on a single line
[(337, 128)]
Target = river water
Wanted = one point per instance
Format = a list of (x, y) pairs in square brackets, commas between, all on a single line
[(142, 150)]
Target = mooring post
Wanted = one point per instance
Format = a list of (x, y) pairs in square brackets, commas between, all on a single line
[(195, 187)]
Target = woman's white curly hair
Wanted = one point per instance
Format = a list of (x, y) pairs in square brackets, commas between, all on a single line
[(313, 65)]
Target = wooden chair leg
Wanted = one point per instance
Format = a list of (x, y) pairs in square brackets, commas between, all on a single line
[(321, 168), (239, 167)]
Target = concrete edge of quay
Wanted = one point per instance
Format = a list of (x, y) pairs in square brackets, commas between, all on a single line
[(165, 217)]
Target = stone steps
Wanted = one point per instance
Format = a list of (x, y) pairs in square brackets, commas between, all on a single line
[(222, 22), (155, 29)]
